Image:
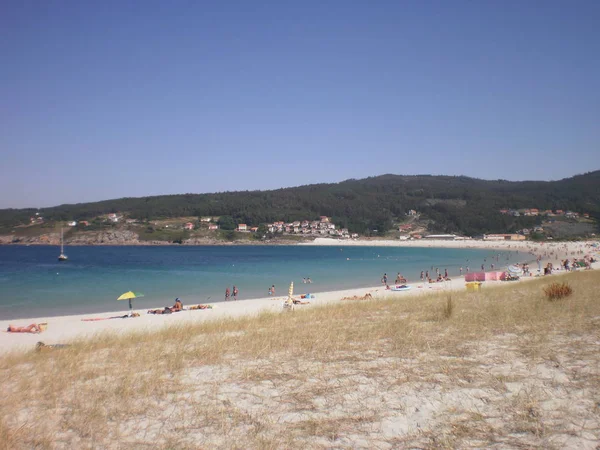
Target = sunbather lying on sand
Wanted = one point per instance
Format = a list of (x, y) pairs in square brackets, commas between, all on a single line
[(165, 310), (299, 302), (178, 306), (33, 328), (200, 307), (367, 296)]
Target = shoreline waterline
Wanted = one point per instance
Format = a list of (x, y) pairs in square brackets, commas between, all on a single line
[(33, 283), (64, 328)]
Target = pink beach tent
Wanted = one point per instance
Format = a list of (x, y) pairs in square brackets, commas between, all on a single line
[(475, 276)]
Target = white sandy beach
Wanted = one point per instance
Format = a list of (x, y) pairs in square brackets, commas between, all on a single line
[(63, 329)]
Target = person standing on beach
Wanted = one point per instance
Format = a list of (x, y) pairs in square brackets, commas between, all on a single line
[(384, 279), (422, 276), (461, 269), (226, 294), (235, 293)]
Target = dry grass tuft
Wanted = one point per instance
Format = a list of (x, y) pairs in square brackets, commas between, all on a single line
[(448, 308), (428, 371), (556, 291)]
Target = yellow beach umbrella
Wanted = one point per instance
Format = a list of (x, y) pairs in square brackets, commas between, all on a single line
[(128, 296), (289, 302)]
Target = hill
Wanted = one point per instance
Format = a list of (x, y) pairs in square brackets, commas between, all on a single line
[(449, 204)]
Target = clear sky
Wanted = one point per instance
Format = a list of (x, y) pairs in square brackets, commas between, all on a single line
[(108, 99)]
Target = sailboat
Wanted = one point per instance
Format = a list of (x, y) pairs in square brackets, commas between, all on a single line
[(62, 256)]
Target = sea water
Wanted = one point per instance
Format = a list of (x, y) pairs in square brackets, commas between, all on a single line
[(34, 284)]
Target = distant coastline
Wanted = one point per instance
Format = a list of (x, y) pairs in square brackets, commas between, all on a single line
[(119, 238)]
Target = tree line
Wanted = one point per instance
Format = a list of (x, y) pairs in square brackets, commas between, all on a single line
[(451, 204)]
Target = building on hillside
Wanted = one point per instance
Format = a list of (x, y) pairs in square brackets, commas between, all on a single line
[(242, 227), (85, 223), (72, 223), (503, 237), (205, 219), (188, 226), (254, 229), (213, 226), (324, 219), (411, 212)]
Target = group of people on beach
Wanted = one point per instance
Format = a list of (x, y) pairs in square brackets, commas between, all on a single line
[(233, 293), (440, 278), (178, 306)]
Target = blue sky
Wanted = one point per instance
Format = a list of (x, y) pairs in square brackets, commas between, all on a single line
[(103, 100)]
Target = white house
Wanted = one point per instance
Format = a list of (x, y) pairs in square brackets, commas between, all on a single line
[(242, 227), (72, 223)]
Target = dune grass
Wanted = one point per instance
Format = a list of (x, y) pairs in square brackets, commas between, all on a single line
[(503, 366)]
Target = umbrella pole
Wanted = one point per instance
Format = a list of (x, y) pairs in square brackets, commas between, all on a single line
[(130, 308)]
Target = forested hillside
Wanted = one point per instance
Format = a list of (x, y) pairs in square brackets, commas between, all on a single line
[(453, 204)]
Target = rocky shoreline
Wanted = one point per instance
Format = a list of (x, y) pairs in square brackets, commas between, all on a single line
[(124, 237)]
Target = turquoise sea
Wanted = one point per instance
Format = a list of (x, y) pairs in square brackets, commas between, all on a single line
[(34, 284)]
